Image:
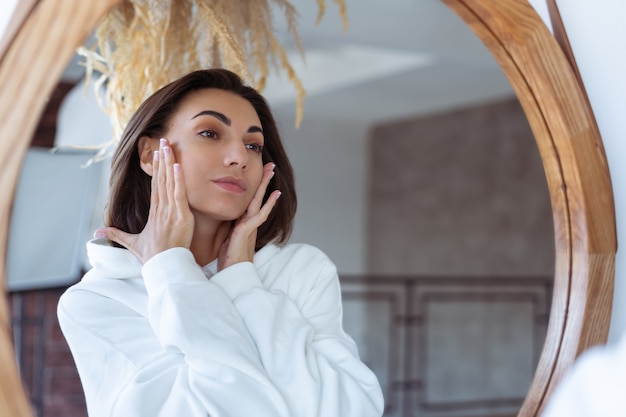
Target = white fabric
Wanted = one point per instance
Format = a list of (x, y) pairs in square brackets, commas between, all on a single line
[(595, 386), (256, 339)]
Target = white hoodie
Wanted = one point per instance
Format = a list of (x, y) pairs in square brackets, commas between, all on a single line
[(260, 338)]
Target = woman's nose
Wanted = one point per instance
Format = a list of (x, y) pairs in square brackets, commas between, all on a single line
[(236, 154)]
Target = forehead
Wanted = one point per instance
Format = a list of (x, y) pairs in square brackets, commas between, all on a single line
[(233, 106)]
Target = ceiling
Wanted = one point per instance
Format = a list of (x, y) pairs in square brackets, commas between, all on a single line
[(398, 58)]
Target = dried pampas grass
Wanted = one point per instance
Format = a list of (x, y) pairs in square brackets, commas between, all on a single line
[(142, 45)]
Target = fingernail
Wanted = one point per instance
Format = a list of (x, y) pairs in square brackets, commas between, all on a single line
[(278, 195), (177, 168), (99, 234), (156, 155), (166, 150), (163, 142)]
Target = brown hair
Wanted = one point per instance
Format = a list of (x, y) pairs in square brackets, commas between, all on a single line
[(129, 195)]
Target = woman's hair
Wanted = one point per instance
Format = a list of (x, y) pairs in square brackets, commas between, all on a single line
[(130, 186)]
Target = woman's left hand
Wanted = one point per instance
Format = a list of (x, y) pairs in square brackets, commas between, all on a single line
[(239, 247)]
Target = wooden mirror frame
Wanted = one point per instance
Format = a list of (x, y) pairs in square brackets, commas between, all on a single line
[(43, 35)]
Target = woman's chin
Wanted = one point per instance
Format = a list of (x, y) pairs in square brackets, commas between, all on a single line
[(218, 215)]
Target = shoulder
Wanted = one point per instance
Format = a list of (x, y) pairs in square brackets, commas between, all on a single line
[(294, 255), (80, 308), (295, 268), (90, 295), (94, 298), (113, 282)]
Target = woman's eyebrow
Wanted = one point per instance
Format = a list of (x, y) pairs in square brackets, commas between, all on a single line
[(224, 119), (220, 116)]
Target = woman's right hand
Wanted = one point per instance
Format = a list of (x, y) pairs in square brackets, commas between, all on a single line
[(170, 221)]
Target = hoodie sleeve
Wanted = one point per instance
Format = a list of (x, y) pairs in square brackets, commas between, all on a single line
[(193, 357), (300, 339)]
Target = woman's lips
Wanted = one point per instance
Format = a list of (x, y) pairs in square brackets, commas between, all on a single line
[(232, 184)]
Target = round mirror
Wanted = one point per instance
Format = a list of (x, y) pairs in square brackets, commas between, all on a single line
[(563, 125)]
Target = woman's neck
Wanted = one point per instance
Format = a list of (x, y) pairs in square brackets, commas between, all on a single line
[(208, 237)]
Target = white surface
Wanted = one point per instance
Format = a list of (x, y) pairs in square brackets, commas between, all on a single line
[(7, 7), (349, 65), (541, 7), (81, 121), (50, 218), (330, 164)]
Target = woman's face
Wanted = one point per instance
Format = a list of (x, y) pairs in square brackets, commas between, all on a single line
[(217, 138)]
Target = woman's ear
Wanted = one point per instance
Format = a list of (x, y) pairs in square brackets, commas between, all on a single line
[(146, 148)]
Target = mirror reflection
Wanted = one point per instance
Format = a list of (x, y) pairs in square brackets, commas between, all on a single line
[(416, 159)]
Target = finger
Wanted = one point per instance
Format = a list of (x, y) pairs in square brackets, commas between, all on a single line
[(154, 193), (180, 192), (162, 177), (170, 160), (115, 235), (257, 200), (261, 216)]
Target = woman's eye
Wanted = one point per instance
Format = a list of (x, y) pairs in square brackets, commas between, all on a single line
[(255, 147), (211, 134)]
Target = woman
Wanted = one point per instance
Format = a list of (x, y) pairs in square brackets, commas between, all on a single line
[(195, 304)]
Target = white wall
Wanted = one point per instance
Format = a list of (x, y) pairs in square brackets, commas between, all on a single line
[(597, 35), (8, 6), (329, 158)]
